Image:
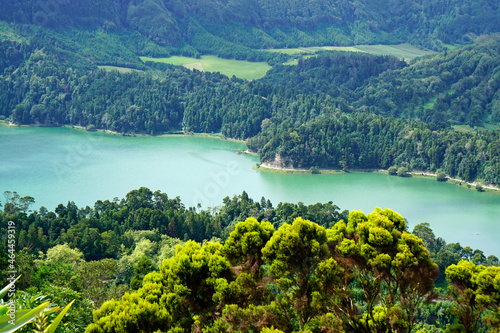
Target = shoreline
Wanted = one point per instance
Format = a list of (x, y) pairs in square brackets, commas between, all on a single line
[(179, 133), (456, 181), (115, 133), (270, 168)]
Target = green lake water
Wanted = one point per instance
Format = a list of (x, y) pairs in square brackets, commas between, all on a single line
[(55, 165)]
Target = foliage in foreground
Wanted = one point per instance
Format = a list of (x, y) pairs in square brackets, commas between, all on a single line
[(96, 254), (13, 319), (369, 275)]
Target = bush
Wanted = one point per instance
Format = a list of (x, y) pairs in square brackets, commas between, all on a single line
[(403, 172), (315, 170), (91, 128), (479, 188), (393, 170), (441, 177)]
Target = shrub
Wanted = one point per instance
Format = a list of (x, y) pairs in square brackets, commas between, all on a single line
[(403, 172), (315, 170), (441, 177)]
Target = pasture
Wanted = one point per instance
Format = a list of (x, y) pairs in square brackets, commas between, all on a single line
[(402, 51), (208, 63)]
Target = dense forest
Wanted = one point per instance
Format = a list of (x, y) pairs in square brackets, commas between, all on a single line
[(447, 89), (221, 269), (365, 141), (211, 26), (459, 87)]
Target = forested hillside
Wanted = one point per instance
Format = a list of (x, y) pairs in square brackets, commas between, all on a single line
[(364, 141), (209, 25), (450, 88), (248, 265)]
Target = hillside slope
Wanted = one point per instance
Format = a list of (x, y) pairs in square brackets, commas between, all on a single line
[(210, 24)]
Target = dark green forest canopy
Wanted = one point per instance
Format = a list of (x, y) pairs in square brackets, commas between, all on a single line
[(454, 87), (210, 25), (365, 141), (97, 231)]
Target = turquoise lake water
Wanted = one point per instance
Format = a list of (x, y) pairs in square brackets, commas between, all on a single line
[(55, 165)]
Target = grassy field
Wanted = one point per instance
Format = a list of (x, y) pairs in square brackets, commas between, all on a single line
[(289, 51), (241, 69), (119, 69), (463, 128), (402, 51), (468, 129), (341, 48), (491, 127), (174, 60)]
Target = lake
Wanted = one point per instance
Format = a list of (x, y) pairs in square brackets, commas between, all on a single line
[(57, 165)]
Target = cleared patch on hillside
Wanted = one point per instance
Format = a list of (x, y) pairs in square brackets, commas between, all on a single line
[(119, 69), (430, 104), (463, 128), (229, 67), (342, 48), (288, 51), (296, 61), (402, 51)]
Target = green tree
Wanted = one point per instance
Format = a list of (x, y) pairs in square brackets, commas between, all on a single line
[(63, 254), (403, 172), (94, 279), (475, 289), (441, 176), (294, 253), (391, 267), (425, 233), (144, 266), (186, 293), (245, 243)]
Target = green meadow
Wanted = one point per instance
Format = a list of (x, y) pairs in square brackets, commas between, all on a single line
[(402, 51), (239, 68), (463, 128), (430, 104), (289, 51)]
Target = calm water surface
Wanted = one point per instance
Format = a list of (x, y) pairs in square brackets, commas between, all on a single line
[(55, 165)]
